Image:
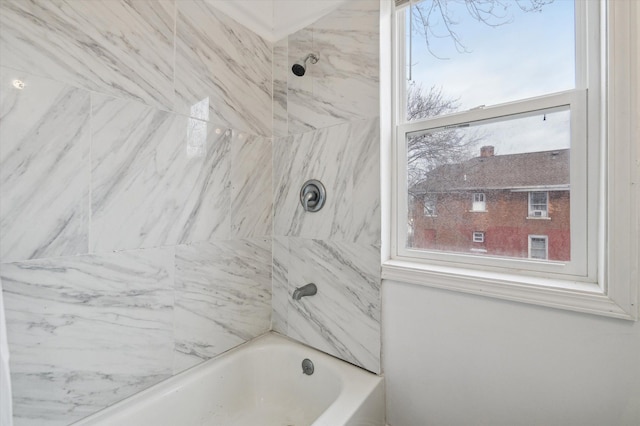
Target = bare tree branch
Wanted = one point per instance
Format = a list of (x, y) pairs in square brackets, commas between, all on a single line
[(428, 151), (435, 18)]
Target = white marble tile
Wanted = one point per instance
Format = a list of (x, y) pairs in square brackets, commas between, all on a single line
[(338, 156), (300, 89), (223, 297), (251, 191), (343, 318), (157, 178), (344, 83), (121, 48), (320, 154), (365, 226), (280, 284), (44, 168), (86, 331), (224, 65), (280, 74)]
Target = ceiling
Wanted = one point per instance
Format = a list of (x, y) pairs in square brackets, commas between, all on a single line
[(275, 19)]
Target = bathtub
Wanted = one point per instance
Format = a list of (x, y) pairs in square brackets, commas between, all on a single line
[(260, 383)]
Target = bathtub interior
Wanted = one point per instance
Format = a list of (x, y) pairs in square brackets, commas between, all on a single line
[(273, 390), (259, 383)]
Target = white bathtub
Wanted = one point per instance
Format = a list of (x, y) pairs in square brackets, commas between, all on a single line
[(259, 384)]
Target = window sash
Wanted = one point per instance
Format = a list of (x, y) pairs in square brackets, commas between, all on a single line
[(581, 253)]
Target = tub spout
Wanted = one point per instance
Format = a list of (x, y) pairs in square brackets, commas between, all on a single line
[(307, 290)]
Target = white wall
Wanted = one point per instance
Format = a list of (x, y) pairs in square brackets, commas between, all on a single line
[(457, 359)]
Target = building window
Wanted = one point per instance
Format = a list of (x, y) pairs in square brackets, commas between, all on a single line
[(478, 237), (429, 202), (538, 204), (458, 130), (478, 202), (538, 247)]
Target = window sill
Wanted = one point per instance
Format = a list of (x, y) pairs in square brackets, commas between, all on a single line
[(569, 295), (539, 217), (478, 211)]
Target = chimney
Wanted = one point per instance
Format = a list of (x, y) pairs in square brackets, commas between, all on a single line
[(486, 151)]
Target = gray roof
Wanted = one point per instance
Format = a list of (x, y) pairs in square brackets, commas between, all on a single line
[(534, 170)]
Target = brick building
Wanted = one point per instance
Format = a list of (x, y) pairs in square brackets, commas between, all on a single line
[(513, 205)]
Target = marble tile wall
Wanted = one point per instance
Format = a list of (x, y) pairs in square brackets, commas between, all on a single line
[(135, 196), (327, 128), (344, 84)]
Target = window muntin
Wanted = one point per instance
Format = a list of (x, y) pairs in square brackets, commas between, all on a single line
[(562, 115), (538, 204)]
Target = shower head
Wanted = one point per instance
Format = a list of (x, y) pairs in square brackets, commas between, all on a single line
[(299, 68)]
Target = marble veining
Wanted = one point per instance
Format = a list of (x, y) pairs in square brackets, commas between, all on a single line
[(321, 154), (343, 157), (157, 178), (120, 48), (251, 193), (220, 62), (85, 331), (365, 226), (280, 284), (44, 168), (222, 296), (343, 318), (343, 85), (281, 69)]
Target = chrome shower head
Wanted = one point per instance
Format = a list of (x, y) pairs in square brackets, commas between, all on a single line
[(299, 68)]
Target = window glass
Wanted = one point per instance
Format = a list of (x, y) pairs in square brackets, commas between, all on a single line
[(508, 167), (467, 54)]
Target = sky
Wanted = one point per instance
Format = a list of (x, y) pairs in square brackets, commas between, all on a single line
[(530, 56)]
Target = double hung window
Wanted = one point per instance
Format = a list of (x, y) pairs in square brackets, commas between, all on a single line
[(478, 202), (511, 106), (538, 247), (538, 204)]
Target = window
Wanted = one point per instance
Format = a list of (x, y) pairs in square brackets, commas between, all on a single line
[(474, 133), (538, 247), (430, 204), (528, 145), (478, 237), (478, 202), (538, 204)]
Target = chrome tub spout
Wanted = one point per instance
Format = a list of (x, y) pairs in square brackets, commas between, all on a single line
[(307, 290)]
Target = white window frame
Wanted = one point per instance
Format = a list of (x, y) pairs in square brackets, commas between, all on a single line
[(612, 287), (532, 212), (478, 237), (546, 246)]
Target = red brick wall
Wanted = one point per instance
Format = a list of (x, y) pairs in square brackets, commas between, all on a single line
[(505, 224)]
